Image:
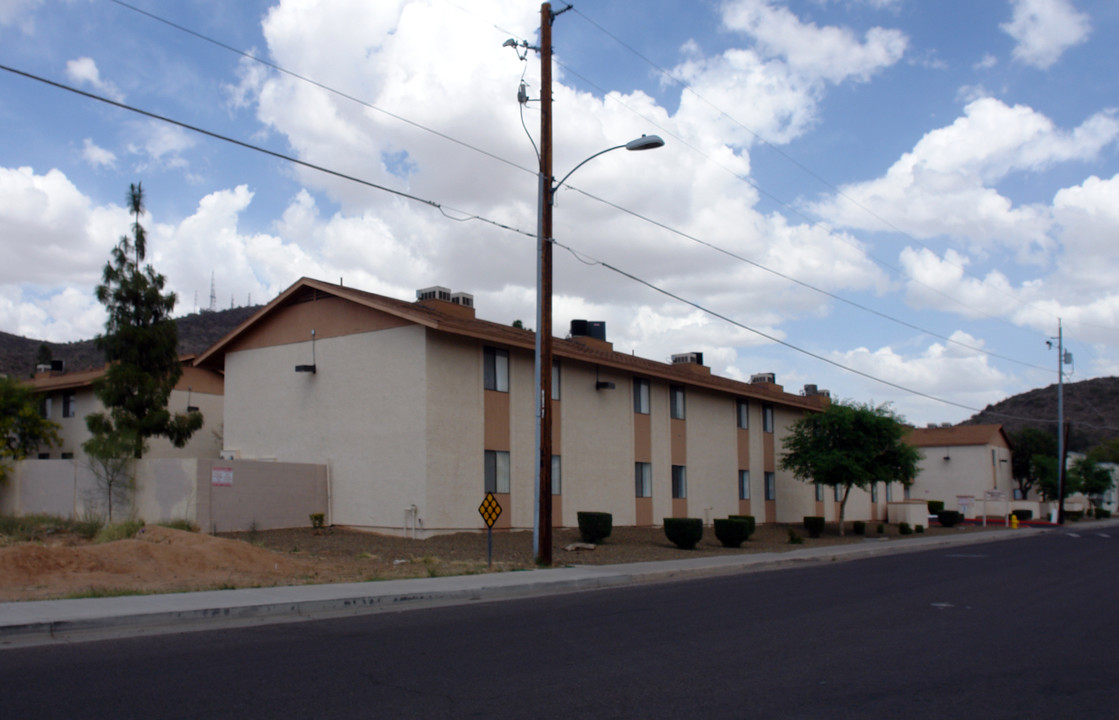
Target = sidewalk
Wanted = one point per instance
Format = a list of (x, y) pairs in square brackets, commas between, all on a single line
[(48, 621)]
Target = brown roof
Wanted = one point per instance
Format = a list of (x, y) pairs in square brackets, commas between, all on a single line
[(456, 322), (958, 435)]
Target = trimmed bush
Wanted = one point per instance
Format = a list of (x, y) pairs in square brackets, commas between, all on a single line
[(881, 528), (859, 527), (748, 519), (814, 524), (731, 532), (948, 518), (904, 528), (1074, 514), (317, 520), (794, 539), (1023, 514), (919, 528), (935, 507), (594, 527), (1102, 513), (684, 533)]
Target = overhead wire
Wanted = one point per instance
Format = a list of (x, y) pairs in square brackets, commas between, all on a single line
[(707, 158)]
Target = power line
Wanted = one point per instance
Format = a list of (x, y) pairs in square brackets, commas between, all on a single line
[(443, 209), (707, 158)]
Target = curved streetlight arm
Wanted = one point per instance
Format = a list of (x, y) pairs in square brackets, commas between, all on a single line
[(645, 142)]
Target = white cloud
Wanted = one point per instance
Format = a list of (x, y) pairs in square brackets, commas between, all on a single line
[(84, 70), (945, 185), (162, 145), (19, 13), (97, 156), (1044, 29)]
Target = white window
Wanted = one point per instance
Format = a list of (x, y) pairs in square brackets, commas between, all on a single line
[(641, 396), (770, 486), (643, 479), (679, 482), (743, 484), (767, 418), (676, 401), (496, 371), (819, 492), (743, 410), (497, 471)]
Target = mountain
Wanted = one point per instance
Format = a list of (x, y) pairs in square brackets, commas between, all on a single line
[(197, 332), (1091, 407)]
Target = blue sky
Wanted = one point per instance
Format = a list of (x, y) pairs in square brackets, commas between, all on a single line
[(892, 199)]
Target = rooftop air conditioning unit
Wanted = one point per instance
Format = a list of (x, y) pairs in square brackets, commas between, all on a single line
[(692, 358), (464, 299), (436, 292), (757, 378), (595, 329)]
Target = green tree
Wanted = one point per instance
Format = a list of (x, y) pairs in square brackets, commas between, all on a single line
[(1091, 478), (1106, 452), (22, 428), (1044, 469), (141, 351), (1028, 444), (850, 445)]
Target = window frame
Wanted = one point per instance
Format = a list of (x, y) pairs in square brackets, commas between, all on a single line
[(742, 413), (643, 479), (69, 404), (677, 409), (767, 418), (496, 472), (495, 368), (743, 484), (557, 475), (642, 400), (819, 492), (679, 482), (770, 485)]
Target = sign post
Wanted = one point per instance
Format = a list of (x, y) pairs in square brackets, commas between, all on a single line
[(490, 510)]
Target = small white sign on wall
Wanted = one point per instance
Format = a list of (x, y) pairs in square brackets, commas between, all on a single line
[(221, 476)]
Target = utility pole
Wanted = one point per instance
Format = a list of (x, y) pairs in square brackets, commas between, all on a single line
[(1061, 433), (544, 305)]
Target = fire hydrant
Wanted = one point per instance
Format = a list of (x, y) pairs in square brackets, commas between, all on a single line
[(1013, 522)]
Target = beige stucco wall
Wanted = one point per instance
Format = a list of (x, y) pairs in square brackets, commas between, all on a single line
[(969, 471), (259, 495), (363, 413)]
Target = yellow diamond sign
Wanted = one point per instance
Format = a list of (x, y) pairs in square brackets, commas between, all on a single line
[(490, 509)]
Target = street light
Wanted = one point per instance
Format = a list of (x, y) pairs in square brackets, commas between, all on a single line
[(542, 528)]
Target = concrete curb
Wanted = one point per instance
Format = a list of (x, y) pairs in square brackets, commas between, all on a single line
[(25, 624)]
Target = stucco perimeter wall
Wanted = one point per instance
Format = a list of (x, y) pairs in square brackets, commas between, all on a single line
[(69, 488), (244, 494), (362, 413)]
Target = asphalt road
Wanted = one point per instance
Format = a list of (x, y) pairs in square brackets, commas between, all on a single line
[(1018, 629)]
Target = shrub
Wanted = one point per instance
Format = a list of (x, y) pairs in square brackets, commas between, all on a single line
[(1102, 513), (948, 518), (732, 533), (118, 531), (594, 527), (881, 528), (904, 528), (684, 533), (317, 520), (794, 539), (859, 527), (1074, 514), (935, 506), (749, 520), (1022, 514), (814, 524), (179, 524), (919, 528)]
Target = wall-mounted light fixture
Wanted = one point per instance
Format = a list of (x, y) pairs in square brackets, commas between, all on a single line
[(601, 384), (190, 408), (309, 368)]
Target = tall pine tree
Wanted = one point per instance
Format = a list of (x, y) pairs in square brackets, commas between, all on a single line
[(141, 351)]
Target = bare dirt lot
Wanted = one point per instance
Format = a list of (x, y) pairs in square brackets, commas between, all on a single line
[(160, 559)]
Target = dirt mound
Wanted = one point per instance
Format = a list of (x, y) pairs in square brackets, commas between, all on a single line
[(158, 559)]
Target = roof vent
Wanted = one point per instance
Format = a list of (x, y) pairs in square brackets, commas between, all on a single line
[(758, 378), (692, 358), (595, 329)]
